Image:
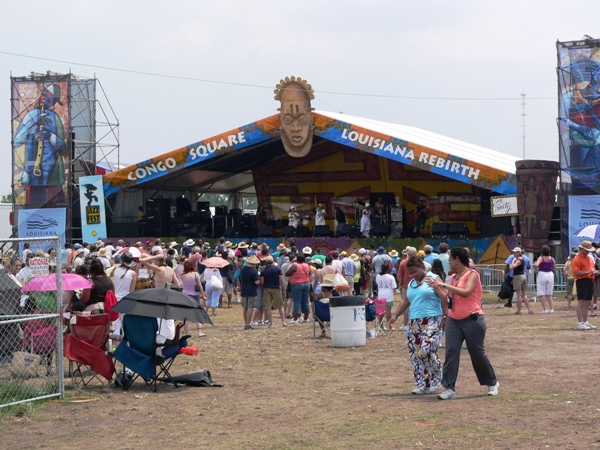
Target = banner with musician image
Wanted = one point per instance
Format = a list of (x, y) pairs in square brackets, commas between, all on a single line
[(93, 214), (40, 124)]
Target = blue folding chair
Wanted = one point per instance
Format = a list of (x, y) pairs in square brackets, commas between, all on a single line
[(138, 352), (321, 314)]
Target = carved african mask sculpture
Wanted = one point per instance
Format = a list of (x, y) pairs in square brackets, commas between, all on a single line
[(295, 118)]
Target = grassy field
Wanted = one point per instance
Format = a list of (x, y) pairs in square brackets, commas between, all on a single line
[(283, 389)]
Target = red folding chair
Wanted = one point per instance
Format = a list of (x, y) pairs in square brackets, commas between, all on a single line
[(380, 308), (86, 349)]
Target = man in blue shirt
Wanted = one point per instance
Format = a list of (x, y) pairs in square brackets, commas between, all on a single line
[(273, 291)]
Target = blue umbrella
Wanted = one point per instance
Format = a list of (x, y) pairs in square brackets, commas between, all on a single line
[(590, 231)]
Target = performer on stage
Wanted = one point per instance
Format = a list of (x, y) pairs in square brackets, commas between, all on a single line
[(340, 217), (380, 211), (293, 217), (365, 221), (320, 215)]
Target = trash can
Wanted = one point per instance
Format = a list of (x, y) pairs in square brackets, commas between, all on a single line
[(348, 325)]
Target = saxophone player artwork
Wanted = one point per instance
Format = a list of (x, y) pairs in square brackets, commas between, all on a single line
[(39, 144)]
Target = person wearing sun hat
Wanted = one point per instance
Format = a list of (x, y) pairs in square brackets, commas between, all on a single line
[(395, 261), (584, 273), (249, 279), (509, 274)]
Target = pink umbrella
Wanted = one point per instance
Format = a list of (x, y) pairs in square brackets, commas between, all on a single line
[(47, 283), (215, 262), (136, 252)]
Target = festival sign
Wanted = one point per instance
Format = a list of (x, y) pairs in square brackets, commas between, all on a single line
[(91, 201), (43, 222), (221, 144), (413, 154), (584, 219)]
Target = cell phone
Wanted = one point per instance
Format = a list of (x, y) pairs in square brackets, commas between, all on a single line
[(474, 316)]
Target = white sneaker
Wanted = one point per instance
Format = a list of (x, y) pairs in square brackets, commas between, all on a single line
[(293, 321), (253, 324), (493, 390), (300, 320), (550, 311), (583, 326), (544, 311), (420, 391), (448, 394), (403, 328), (433, 388), (590, 326)]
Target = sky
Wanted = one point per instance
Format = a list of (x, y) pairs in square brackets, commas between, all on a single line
[(174, 75)]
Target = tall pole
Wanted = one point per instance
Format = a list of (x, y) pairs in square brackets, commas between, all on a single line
[(523, 120)]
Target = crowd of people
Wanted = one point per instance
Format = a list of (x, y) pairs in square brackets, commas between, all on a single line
[(440, 290)]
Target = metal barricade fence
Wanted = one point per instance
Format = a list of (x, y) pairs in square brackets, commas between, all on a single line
[(492, 277), (31, 350)]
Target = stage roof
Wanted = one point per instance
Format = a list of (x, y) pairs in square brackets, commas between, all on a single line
[(224, 163)]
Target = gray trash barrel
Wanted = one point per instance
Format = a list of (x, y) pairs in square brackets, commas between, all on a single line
[(348, 325)]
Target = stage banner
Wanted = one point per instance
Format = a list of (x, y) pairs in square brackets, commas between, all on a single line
[(40, 140), (584, 219), (221, 144), (42, 222), (579, 113), (93, 214), (413, 154)]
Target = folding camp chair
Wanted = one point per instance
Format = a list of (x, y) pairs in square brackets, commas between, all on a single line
[(39, 337), (380, 305), (86, 348), (322, 316), (140, 352), (370, 315)]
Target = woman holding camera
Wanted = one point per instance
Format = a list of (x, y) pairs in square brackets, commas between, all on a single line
[(427, 314), (465, 323)]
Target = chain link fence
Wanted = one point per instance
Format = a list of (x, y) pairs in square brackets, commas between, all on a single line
[(31, 329)]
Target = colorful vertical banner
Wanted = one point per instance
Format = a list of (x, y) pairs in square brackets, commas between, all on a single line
[(40, 137), (38, 223), (584, 219), (93, 215)]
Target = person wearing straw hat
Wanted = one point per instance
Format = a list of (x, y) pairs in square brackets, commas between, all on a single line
[(249, 279), (519, 264), (395, 261), (271, 278), (584, 273)]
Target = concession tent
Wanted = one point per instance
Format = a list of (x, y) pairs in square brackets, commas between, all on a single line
[(351, 159)]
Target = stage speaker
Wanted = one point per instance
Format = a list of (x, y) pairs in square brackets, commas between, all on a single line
[(302, 231), (234, 232), (158, 212), (380, 229), (203, 206), (322, 231), (396, 229), (396, 214), (439, 229), (221, 210), (265, 231), (183, 205), (458, 229), (346, 230), (219, 224)]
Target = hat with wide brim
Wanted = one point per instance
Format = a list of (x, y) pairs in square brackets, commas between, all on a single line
[(354, 257), (253, 260), (519, 249), (587, 245), (393, 253), (189, 243)]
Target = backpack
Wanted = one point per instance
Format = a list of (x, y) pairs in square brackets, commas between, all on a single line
[(109, 301)]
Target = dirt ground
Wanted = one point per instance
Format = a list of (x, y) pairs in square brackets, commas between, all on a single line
[(282, 389)]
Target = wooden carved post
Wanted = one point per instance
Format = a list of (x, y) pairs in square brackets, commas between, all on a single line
[(536, 190)]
